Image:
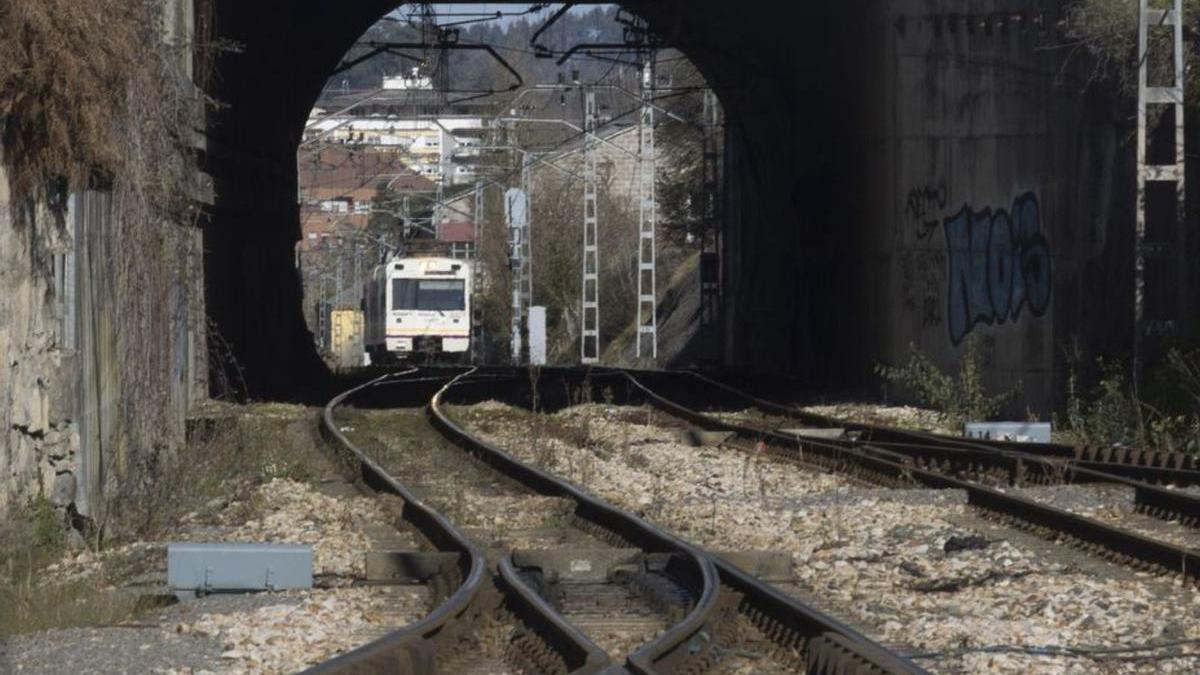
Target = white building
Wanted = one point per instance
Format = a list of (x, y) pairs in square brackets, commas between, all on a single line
[(428, 145)]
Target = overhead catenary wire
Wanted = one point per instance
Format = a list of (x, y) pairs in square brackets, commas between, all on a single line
[(430, 19), (670, 94)]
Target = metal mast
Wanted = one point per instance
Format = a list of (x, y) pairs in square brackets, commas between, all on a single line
[(522, 262), (519, 202), (1159, 253), (710, 236), (439, 198), (476, 281), (526, 276), (589, 320), (647, 316)]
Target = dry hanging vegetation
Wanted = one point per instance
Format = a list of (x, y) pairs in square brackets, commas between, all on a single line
[(92, 96), (1107, 30), (91, 92)]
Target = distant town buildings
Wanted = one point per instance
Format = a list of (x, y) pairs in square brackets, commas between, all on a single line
[(339, 186), (432, 147), (393, 144), (412, 82)]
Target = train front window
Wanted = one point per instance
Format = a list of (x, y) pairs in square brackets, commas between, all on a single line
[(438, 295)]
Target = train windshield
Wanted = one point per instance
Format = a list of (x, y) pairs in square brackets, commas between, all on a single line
[(429, 294)]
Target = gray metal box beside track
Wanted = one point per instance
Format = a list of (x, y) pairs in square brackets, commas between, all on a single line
[(223, 568), (1024, 432)]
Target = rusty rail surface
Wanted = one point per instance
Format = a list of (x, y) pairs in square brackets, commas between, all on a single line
[(415, 648), (1146, 466), (826, 644), (892, 466), (1009, 461)]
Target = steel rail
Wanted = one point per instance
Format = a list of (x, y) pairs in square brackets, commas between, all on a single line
[(685, 645), (1115, 543), (1145, 465), (1010, 457), (1145, 473), (829, 646), (414, 649)]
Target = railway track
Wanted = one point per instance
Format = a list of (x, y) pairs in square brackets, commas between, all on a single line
[(901, 588), (577, 584), (986, 472), (1153, 467), (465, 592)]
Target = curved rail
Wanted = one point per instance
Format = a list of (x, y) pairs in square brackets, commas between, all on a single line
[(1011, 458), (1118, 544), (414, 648), (829, 646), (686, 641), (1140, 465)]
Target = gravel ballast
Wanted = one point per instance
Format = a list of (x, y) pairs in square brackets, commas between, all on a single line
[(919, 572), (270, 632)]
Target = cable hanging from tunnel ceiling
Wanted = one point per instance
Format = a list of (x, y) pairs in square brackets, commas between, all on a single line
[(444, 39), (477, 17), (447, 42), (636, 35), (432, 37)]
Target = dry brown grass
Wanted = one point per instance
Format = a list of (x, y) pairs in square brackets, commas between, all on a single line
[(232, 452), (226, 459), (30, 539)]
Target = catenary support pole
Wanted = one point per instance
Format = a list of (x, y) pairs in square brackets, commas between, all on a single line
[(1159, 102), (589, 334), (647, 293)]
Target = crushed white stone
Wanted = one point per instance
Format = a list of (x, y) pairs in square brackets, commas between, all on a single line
[(1115, 505), (292, 512), (877, 556), (504, 513), (287, 638), (87, 565), (900, 416), (282, 511)]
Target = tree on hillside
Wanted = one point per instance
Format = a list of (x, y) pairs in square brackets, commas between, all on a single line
[(1107, 30)]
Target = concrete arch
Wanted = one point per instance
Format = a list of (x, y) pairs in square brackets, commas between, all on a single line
[(834, 112), (778, 176)]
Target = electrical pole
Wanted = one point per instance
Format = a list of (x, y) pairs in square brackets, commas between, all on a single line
[(337, 280), (647, 314), (357, 262), (322, 319), (519, 203), (476, 255), (589, 318), (527, 239), (439, 196), (1159, 253)]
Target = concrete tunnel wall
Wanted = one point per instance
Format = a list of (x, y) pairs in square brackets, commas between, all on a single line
[(856, 137), (265, 88), (1002, 195)]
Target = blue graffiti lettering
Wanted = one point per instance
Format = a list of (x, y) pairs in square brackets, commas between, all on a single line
[(999, 264)]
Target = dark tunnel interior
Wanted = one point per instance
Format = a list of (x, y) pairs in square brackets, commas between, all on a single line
[(792, 194)]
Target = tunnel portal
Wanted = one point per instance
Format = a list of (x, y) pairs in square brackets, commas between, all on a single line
[(895, 173)]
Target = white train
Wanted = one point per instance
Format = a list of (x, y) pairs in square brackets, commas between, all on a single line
[(418, 307)]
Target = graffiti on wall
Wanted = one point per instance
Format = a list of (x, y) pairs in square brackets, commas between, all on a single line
[(999, 264), (923, 208), (923, 276)]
